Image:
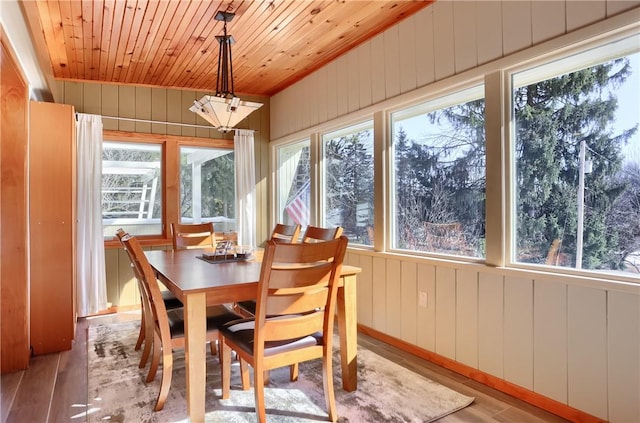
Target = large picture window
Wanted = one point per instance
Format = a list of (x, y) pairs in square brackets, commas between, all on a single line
[(207, 187), (294, 183), (577, 161), (140, 173), (438, 178), (348, 181), (131, 188)]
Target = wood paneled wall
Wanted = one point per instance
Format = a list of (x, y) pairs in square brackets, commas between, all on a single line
[(442, 40), (572, 340)]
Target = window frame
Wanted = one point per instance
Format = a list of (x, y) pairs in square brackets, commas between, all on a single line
[(170, 170), (564, 58), (352, 128)]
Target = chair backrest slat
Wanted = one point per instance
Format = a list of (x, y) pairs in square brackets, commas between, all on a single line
[(188, 236), (317, 234), (285, 233)]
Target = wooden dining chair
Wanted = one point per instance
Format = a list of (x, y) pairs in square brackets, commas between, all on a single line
[(169, 324), (294, 316), (285, 233), (170, 303), (281, 233), (196, 235)]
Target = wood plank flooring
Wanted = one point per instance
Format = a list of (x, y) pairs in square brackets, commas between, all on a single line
[(54, 388)]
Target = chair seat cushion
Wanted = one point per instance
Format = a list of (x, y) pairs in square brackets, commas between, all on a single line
[(170, 300), (242, 333), (216, 317)]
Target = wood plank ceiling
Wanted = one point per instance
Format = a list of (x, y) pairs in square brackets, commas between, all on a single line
[(172, 43)]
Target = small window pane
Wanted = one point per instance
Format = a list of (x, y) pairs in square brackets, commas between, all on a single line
[(131, 188), (439, 176), (348, 177), (293, 183), (577, 162), (207, 187)]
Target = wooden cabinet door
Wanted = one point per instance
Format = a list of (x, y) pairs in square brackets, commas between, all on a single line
[(52, 226)]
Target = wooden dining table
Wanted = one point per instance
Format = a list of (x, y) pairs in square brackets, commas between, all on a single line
[(199, 283)]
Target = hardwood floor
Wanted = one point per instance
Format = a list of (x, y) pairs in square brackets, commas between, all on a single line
[(54, 388)]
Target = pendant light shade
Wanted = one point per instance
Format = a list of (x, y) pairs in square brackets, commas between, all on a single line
[(224, 110)]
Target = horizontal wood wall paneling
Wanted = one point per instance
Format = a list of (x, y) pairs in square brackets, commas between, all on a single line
[(467, 317), (392, 62), (407, 50), (443, 39), (409, 302), (550, 339), (446, 312), (364, 75), (584, 12), (491, 324), (425, 70), (489, 31), (516, 26), (518, 331), (623, 350), (379, 291), (587, 349), (394, 298), (378, 78), (426, 337), (353, 81), (548, 20), (464, 31)]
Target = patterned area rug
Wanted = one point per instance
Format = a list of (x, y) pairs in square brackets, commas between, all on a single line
[(386, 391)]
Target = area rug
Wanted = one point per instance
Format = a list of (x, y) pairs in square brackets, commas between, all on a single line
[(386, 391)]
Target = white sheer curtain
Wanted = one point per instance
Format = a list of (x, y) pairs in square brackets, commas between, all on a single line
[(91, 275), (245, 187)]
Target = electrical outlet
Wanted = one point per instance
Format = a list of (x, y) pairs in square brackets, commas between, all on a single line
[(422, 299)]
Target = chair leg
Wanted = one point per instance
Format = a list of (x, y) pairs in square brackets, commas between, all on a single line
[(167, 372), (155, 358), (149, 334), (293, 372), (140, 336), (244, 375), (225, 367), (327, 382), (212, 345), (258, 389)]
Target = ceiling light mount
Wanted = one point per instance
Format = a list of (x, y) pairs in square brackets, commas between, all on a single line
[(224, 110)]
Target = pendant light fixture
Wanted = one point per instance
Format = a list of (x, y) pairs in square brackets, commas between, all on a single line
[(224, 110)]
